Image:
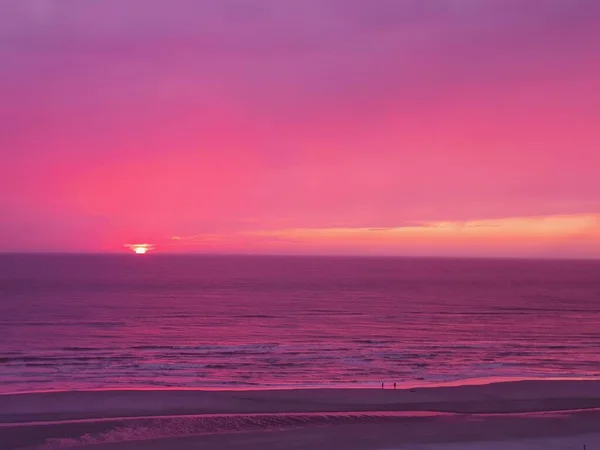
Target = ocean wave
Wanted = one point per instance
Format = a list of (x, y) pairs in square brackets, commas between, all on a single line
[(59, 324), (256, 316), (50, 360), (214, 348), (86, 349), (154, 347)]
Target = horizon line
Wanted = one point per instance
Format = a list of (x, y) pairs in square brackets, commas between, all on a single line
[(303, 255)]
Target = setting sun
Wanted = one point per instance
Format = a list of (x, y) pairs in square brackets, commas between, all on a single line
[(140, 249)]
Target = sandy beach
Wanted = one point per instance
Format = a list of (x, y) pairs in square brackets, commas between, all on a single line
[(526, 413)]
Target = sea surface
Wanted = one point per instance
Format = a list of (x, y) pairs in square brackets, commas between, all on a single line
[(116, 321)]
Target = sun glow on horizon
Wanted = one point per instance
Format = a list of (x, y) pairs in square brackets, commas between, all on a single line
[(140, 249)]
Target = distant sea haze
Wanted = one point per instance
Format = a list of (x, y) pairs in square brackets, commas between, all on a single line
[(111, 321)]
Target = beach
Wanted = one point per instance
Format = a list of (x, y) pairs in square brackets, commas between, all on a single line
[(527, 413)]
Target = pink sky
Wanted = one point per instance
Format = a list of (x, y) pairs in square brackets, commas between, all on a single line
[(301, 126)]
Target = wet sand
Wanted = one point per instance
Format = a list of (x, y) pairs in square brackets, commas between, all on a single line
[(497, 414)]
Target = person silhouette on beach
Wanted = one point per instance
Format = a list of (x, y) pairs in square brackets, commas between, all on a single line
[(394, 385), (381, 385)]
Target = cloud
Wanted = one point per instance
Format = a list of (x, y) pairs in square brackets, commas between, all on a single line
[(550, 236)]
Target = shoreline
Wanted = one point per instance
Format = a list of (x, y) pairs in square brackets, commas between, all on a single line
[(413, 384), (491, 398), (121, 419)]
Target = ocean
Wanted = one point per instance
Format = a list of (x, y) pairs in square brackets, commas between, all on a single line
[(120, 321)]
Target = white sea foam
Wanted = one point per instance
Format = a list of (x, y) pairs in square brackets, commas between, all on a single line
[(574, 442), (136, 429)]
